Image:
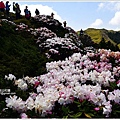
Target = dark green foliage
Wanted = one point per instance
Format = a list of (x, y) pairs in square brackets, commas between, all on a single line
[(19, 53), (23, 20), (108, 45), (87, 41), (77, 109), (9, 113), (114, 36), (102, 43)]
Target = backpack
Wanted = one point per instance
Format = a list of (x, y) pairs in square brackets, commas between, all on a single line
[(26, 11)]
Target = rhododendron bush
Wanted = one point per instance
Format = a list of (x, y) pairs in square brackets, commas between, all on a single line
[(78, 87), (79, 82)]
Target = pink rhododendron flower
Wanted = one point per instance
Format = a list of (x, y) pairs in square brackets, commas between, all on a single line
[(118, 82), (97, 109), (23, 115), (37, 83)]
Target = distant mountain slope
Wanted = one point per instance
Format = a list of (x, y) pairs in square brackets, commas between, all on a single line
[(114, 35), (108, 35)]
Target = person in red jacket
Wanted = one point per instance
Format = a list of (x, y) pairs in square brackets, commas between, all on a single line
[(2, 6)]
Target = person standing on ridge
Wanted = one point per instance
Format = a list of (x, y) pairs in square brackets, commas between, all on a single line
[(81, 32), (17, 11), (64, 23), (14, 6), (7, 8), (2, 6), (27, 13), (52, 15), (37, 12)]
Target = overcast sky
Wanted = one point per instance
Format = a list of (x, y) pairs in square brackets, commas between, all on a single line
[(79, 14)]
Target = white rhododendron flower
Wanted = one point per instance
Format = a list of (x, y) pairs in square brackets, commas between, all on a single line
[(114, 96), (10, 77), (30, 103), (107, 109), (16, 103), (21, 84)]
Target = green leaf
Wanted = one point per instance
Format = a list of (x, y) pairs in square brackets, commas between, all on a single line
[(84, 102), (117, 111), (76, 115), (65, 109), (65, 116), (87, 115), (76, 102), (91, 114)]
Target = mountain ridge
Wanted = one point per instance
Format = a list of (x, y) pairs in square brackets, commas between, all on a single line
[(108, 35)]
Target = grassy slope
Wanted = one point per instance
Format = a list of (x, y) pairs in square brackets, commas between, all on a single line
[(19, 53), (94, 34), (97, 34)]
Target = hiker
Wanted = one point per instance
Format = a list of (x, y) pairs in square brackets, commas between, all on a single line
[(64, 23), (52, 15), (14, 6), (37, 12), (7, 8), (17, 11), (81, 32), (26, 12), (2, 6)]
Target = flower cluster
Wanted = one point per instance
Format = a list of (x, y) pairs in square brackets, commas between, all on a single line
[(57, 45), (23, 116), (9, 22), (16, 103), (48, 40), (57, 42), (22, 26), (72, 34), (114, 96), (67, 80), (10, 77), (21, 84), (53, 51), (43, 33), (47, 19), (82, 77)]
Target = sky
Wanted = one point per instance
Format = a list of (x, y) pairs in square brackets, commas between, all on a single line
[(78, 14)]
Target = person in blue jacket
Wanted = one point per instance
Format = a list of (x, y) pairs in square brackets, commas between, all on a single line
[(7, 8)]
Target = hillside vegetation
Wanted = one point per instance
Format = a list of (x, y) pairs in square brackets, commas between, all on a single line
[(95, 34), (19, 53), (108, 35), (51, 71), (20, 40)]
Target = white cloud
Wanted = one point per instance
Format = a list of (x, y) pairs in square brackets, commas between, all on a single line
[(116, 19), (97, 23), (111, 6), (44, 10), (100, 6), (117, 6)]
